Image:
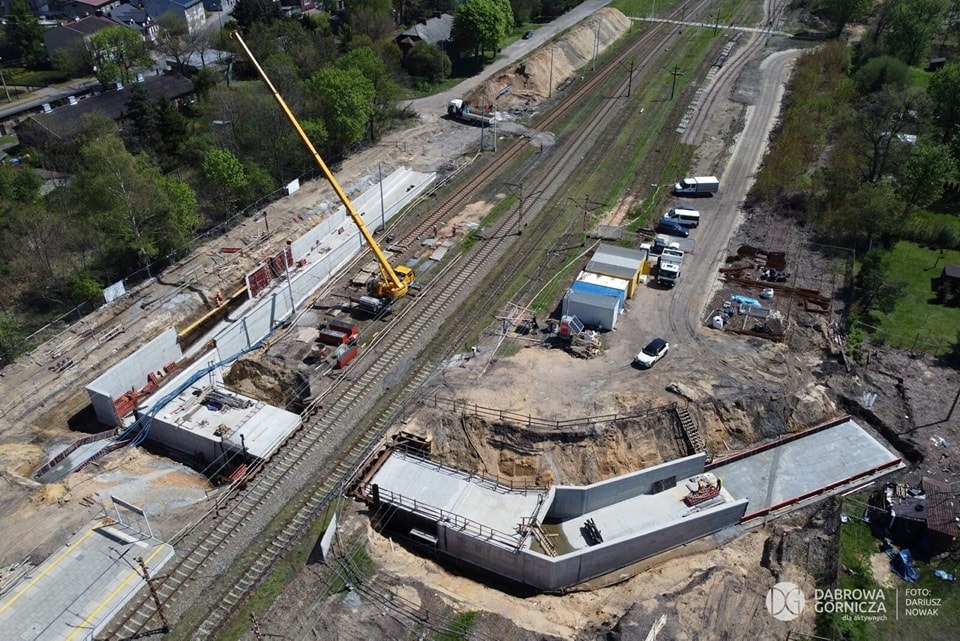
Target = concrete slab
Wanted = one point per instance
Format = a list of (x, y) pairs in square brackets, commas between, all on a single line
[(73, 594), (635, 516), (808, 464), (457, 492)]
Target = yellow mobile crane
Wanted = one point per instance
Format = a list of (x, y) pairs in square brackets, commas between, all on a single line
[(394, 281)]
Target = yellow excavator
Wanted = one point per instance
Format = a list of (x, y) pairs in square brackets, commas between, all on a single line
[(394, 281)]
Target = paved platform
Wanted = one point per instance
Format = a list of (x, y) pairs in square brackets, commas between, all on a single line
[(814, 463), (76, 591), (428, 487), (634, 516)]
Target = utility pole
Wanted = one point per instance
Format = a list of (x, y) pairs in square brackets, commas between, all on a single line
[(5, 90), (596, 46), (154, 595), (630, 79), (676, 72), (552, 49), (383, 221), (716, 25), (521, 210)]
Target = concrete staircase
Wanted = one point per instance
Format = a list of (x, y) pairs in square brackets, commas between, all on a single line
[(691, 432)]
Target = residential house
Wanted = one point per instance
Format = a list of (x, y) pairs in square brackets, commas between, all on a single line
[(190, 10), (137, 19), (947, 284), (71, 38), (83, 8), (62, 122), (435, 31), (923, 519)]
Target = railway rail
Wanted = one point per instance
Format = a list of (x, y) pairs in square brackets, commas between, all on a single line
[(409, 330)]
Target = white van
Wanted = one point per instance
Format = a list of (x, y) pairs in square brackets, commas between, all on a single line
[(685, 217)]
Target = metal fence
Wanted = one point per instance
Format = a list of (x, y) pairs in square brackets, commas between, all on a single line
[(921, 341), (534, 422)]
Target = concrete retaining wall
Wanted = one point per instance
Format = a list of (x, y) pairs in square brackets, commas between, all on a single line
[(402, 187), (552, 574), (131, 372), (572, 501)]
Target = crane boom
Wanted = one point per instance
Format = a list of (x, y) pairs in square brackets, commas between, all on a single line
[(394, 282)]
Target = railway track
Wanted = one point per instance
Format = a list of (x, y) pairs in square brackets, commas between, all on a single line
[(409, 329), (683, 319)]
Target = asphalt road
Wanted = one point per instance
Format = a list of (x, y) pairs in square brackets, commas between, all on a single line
[(678, 314)]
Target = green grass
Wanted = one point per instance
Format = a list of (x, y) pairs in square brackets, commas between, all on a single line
[(920, 78), (40, 78), (917, 321), (460, 627), (857, 545)]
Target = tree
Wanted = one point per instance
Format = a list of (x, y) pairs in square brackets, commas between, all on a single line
[(9, 337), (524, 10), (873, 289), (913, 26), (862, 214), (843, 12), (225, 178), (371, 18), (249, 12), (881, 117), (924, 175), (881, 72), (174, 39), (115, 51), (371, 66), (427, 60), (139, 213), (944, 92), (479, 25), (258, 128), (140, 121), (24, 30), (346, 101)]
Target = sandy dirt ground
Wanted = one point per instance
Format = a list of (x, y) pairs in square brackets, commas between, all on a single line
[(38, 405), (742, 390)]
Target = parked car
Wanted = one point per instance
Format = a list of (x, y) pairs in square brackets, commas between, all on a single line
[(653, 352), (684, 216), (527, 35), (667, 226)]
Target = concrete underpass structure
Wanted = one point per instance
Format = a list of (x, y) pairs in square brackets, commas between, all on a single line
[(554, 538)]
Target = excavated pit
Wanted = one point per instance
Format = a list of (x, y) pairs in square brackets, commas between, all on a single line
[(592, 451)]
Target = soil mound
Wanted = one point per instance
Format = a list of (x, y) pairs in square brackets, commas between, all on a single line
[(531, 78)]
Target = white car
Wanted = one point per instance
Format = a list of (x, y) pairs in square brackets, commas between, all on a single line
[(653, 352)]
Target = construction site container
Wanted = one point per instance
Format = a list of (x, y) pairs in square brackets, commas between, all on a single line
[(589, 287), (620, 262), (332, 337), (349, 329), (593, 309), (346, 356), (620, 285)]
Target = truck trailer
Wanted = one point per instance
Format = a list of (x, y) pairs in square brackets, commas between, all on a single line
[(465, 113), (697, 186)]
